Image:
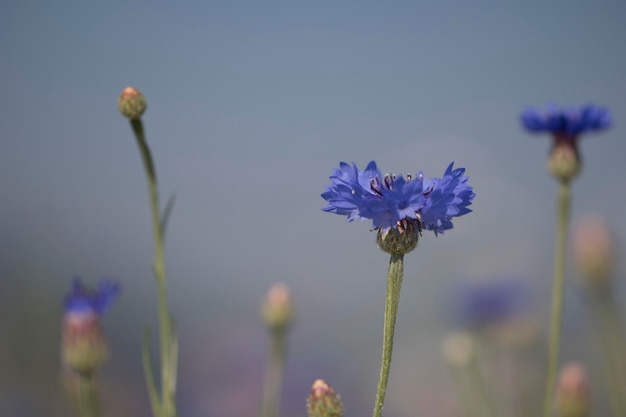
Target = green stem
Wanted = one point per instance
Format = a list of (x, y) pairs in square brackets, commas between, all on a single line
[(606, 323), (270, 401), (167, 397), (563, 213), (88, 392), (472, 390), (394, 284)]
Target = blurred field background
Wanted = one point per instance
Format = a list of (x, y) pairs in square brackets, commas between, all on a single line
[(250, 106)]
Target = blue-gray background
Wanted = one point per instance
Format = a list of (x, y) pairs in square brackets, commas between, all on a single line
[(251, 105)]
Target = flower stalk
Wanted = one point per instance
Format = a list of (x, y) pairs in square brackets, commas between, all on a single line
[(89, 401), (606, 322), (167, 407), (277, 313), (270, 402), (556, 315), (394, 284)]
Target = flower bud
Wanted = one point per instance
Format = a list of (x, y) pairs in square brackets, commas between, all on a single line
[(83, 345), (594, 250), (277, 310), (459, 349), (132, 103), (323, 401), (573, 398), (564, 162), (398, 240)]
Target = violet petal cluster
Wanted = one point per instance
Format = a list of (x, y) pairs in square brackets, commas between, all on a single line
[(84, 300), (389, 200), (566, 122), (491, 301)]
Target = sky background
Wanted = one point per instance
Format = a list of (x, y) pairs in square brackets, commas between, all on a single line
[(250, 107)]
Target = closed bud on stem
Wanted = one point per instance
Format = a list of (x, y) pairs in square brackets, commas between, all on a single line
[(323, 401), (459, 349), (564, 162), (83, 344), (573, 398), (132, 103), (594, 250), (401, 239), (277, 310)]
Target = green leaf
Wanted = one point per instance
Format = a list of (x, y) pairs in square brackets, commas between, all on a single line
[(165, 217)]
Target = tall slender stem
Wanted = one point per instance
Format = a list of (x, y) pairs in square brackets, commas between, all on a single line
[(270, 402), (394, 284), (608, 329), (167, 396), (88, 392), (562, 222)]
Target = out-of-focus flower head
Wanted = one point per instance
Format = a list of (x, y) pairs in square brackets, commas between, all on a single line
[(573, 395), (594, 250), (392, 201), (487, 302), (83, 346), (83, 300), (566, 125), (567, 122), (459, 349), (277, 310)]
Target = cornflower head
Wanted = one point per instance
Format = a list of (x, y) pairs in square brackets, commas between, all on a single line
[(488, 302), (83, 345), (566, 126), (400, 208)]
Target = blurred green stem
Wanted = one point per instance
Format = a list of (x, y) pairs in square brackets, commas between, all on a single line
[(562, 222), (472, 390), (606, 322), (88, 392), (168, 407), (270, 402), (394, 284)]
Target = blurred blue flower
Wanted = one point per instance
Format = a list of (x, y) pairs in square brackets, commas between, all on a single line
[(390, 200), (84, 300), (488, 302), (566, 123)]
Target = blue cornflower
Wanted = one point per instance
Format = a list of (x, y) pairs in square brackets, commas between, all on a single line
[(567, 123), (84, 300), (83, 345), (490, 302), (395, 202)]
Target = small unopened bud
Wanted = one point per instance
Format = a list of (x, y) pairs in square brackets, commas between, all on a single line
[(277, 310), (398, 240), (564, 162), (84, 347), (458, 349), (573, 398), (594, 250), (323, 401), (132, 103)]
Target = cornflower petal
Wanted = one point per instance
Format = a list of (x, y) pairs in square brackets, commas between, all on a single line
[(84, 300)]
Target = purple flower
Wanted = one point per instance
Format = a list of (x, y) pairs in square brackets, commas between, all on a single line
[(389, 200), (566, 123), (489, 302), (84, 300)]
